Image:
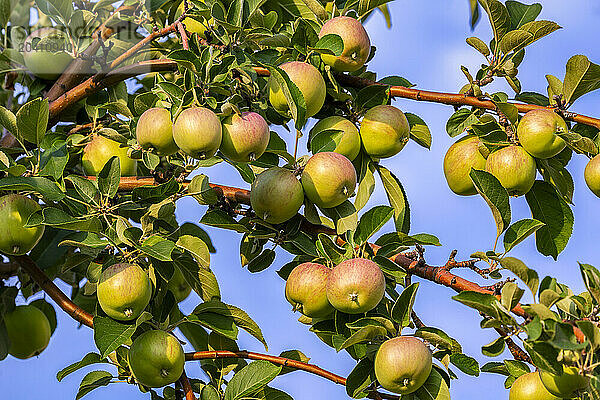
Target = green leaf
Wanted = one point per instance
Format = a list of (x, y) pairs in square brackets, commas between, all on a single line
[(262, 261), (293, 95), (419, 131), (366, 6), (93, 380), (460, 121), (360, 378), (251, 379), (434, 388), (371, 96), (110, 177), (220, 219), (344, 216), (60, 8), (403, 306), (479, 45), (327, 247), (293, 355), (544, 356), (484, 302), (158, 247), (495, 195), (439, 339), (202, 280), (516, 368), (45, 187), (364, 334), (466, 364), (8, 120), (4, 340), (110, 334), (32, 120), (498, 16), (48, 311), (201, 190), (522, 13), (396, 197), (519, 231), (88, 359), (330, 44), (591, 332), (495, 348), (197, 248), (547, 206), (366, 180), (58, 218), (582, 77), (515, 40), (591, 278), (511, 295), (371, 222)]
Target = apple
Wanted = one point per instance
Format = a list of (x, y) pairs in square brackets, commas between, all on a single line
[(101, 149), (463, 155), (402, 364), (355, 286), (309, 81), (592, 175), (28, 330), (384, 131), (154, 130), (15, 239), (305, 290), (276, 195), (537, 133), (528, 387), (156, 358), (357, 45), (197, 131), (179, 286), (348, 143), (328, 179), (245, 137), (46, 52), (567, 385), (191, 24), (514, 168), (124, 291)]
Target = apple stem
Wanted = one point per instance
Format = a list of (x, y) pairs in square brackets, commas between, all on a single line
[(128, 312)]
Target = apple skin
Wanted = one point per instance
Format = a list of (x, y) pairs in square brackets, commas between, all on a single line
[(537, 133), (566, 385), (403, 364), (276, 195), (47, 63), (310, 82), (155, 131), (305, 290), (528, 387), (197, 131), (349, 144), (179, 286), (191, 25), (156, 358), (29, 331), (15, 239), (592, 175), (355, 286), (328, 179), (101, 149), (245, 137), (124, 291), (514, 168), (384, 131), (463, 155), (357, 45)]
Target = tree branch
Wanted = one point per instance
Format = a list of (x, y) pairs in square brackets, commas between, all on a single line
[(517, 352), (187, 386)]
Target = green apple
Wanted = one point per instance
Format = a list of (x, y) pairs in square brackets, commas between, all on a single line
[(357, 45), (309, 81), (197, 131), (154, 130), (179, 286), (276, 195), (156, 358), (328, 179), (592, 175), (514, 168), (347, 140), (528, 387), (402, 364), (460, 158), (537, 132), (191, 24), (305, 290), (355, 286), (101, 149), (245, 137), (28, 330), (46, 52), (384, 131), (15, 238), (124, 291), (567, 385)]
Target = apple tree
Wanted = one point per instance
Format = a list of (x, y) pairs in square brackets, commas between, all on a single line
[(113, 111)]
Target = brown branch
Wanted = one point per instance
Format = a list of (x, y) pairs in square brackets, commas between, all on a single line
[(187, 387), (517, 352), (184, 38), (8, 269)]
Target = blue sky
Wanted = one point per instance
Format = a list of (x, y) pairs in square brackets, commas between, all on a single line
[(427, 46)]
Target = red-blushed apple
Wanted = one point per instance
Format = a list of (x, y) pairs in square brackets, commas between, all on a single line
[(245, 137), (514, 168), (124, 291), (347, 142), (197, 132), (537, 132), (328, 179), (156, 358), (355, 286), (309, 81), (305, 290), (154, 130), (276, 195), (357, 45), (463, 155), (384, 131)]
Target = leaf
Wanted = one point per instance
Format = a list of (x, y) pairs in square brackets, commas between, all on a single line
[(495, 348), (88, 359), (371, 222), (479, 45), (396, 197), (519, 231), (591, 278), (93, 380), (403, 306), (547, 206), (197, 248), (360, 378), (293, 95), (110, 177), (221, 219), (201, 190), (434, 388), (498, 16), (511, 294), (158, 247), (60, 8), (439, 339), (495, 195), (466, 364), (251, 379), (344, 216), (419, 131), (8, 120), (45, 187), (327, 247), (371, 96), (364, 334), (32, 120), (293, 355), (484, 302), (366, 6), (460, 121), (582, 77), (522, 13), (58, 218), (262, 261), (110, 334), (515, 40), (331, 43)]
